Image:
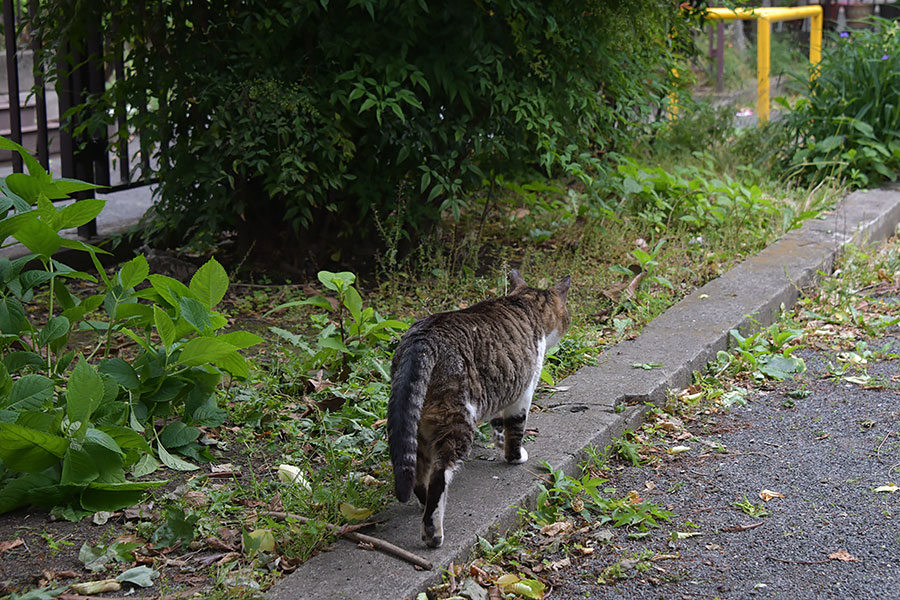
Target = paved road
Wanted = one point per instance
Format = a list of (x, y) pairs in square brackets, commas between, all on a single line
[(831, 535)]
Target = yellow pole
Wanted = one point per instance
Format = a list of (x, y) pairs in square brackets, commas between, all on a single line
[(763, 37), (815, 38)]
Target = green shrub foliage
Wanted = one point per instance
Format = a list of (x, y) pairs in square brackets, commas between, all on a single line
[(848, 123), (299, 119)]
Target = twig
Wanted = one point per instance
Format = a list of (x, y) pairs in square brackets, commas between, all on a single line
[(734, 528), (878, 449), (798, 562), (375, 542)]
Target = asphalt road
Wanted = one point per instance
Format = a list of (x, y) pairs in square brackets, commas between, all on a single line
[(831, 535)]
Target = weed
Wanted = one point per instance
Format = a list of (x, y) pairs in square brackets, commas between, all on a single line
[(748, 508)]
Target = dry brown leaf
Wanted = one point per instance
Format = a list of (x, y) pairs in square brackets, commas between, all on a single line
[(9, 545), (842, 555), (557, 528), (767, 495)]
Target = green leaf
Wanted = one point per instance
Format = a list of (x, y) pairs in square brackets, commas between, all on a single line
[(80, 212), (38, 237), (169, 289), (56, 328), (27, 450), (173, 462), (196, 314), (235, 364), (352, 513), (101, 438), (210, 283), (25, 491), (164, 327), (177, 434), (12, 316), (145, 465), (241, 339), (79, 467), (95, 500), (123, 373), (30, 392), (134, 272), (84, 392), (141, 576), (353, 302), (203, 350), (334, 343)]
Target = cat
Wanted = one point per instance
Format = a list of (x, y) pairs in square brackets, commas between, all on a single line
[(454, 369)]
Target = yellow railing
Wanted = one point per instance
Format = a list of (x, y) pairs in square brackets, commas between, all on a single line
[(764, 19)]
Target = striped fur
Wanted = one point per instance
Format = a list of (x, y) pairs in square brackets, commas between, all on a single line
[(455, 369)]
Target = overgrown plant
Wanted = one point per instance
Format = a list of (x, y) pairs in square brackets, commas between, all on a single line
[(73, 425), (847, 125), (299, 120)]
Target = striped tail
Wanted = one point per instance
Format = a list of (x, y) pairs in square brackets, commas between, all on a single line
[(411, 373)]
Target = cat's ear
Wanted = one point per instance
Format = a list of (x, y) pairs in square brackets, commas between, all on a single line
[(516, 279), (562, 288)]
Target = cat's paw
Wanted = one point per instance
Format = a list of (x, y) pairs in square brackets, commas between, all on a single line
[(432, 537), (523, 456)]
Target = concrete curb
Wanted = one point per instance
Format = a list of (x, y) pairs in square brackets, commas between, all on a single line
[(486, 494)]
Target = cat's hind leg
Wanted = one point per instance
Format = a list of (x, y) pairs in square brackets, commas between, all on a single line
[(423, 473), (497, 431), (449, 451)]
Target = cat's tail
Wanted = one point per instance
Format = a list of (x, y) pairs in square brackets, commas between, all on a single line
[(409, 383)]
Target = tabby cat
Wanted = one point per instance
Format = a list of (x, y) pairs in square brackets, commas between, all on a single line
[(451, 371)]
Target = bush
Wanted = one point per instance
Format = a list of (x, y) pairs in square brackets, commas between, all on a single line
[(848, 123), (76, 419), (291, 120)]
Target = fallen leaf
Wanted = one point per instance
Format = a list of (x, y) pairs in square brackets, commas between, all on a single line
[(9, 545), (352, 513), (842, 555), (585, 551), (89, 588), (557, 528), (889, 488), (678, 449), (683, 535), (767, 495)]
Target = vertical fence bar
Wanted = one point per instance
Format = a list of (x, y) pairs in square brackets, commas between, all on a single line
[(12, 78), (40, 98), (121, 116), (720, 56)]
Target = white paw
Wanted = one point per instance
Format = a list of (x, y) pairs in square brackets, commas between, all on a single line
[(523, 456)]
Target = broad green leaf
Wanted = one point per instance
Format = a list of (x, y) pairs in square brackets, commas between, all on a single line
[(29, 451), (80, 212), (164, 327), (16, 361), (145, 465), (12, 316), (30, 392), (83, 393), (38, 237), (169, 289), (95, 500), (25, 491), (353, 302), (79, 467), (352, 513), (203, 350), (101, 438), (128, 486), (195, 313), (173, 462), (334, 343), (56, 328), (177, 434), (235, 364), (210, 283), (35, 170), (336, 281), (134, 272), (121, 371), (241, 339), (141, 576)]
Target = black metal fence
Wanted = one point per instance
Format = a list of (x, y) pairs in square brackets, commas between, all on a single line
[(37, 115)]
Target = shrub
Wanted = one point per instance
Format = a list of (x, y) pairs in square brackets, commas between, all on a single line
[(848, 123), (301, 120), (75, 419)]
